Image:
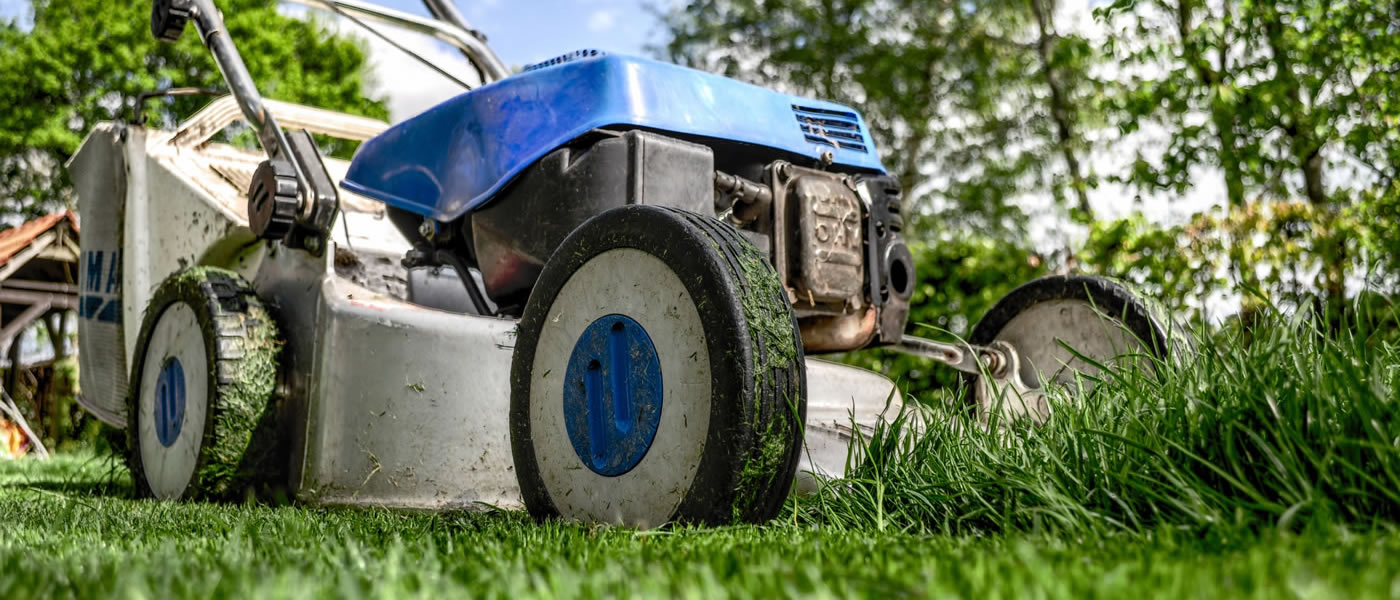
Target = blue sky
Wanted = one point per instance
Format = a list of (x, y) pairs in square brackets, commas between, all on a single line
[(529, 31)]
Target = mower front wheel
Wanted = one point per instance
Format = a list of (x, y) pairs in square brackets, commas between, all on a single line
[(658, 376), (200, 408)]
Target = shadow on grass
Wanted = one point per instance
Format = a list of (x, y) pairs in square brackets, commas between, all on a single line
[(70, 475)]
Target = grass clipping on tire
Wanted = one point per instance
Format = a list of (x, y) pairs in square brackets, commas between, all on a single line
[(771, 326), (241, 449)]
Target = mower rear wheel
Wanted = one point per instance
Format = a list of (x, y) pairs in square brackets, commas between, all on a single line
[(658, 376), (200, 408), (1055, 323)]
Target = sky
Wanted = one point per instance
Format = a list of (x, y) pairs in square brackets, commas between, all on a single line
[(521, 32), (528, 31)]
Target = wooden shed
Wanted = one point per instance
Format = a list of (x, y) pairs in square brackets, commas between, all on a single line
[(38, 275)]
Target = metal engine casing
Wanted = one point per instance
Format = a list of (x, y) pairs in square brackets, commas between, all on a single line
[(458, 156), (514, 236), (839, 249)]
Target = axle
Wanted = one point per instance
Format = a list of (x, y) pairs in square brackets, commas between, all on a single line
[(974, 360)]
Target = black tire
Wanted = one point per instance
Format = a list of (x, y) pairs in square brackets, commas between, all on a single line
[(758, 390), (1119, 308), (1142, 317), (237, 449)]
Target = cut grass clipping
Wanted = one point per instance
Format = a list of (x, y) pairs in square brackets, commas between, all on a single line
[(1263, 468)]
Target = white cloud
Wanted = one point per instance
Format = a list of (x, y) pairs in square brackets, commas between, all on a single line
[(602, 20)]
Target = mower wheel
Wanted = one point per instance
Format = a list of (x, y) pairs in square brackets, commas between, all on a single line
[(200, 408), (658, 376), (1055, 323)]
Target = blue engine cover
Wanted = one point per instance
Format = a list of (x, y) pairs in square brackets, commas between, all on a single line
[(454, 157)]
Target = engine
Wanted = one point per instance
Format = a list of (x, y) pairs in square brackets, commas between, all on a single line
[(576, 136)]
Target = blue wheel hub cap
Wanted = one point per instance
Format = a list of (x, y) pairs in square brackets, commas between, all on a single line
[(612, 395), (170, 401)]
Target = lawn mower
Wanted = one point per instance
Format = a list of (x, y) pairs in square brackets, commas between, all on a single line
[(592, 288)]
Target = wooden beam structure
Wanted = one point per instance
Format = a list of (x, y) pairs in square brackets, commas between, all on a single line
[(23, 297), (39, 261)]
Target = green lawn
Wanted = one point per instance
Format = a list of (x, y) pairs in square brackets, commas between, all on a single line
[(1264, 465), (65, 535)]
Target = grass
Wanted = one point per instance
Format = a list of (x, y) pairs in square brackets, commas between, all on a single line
[(1262, 466), (1282, 427)]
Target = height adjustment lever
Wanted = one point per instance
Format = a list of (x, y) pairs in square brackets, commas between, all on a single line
[(168, 18)]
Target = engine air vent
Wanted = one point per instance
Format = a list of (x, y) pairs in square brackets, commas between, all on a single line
[(837, 128), (575, 55)]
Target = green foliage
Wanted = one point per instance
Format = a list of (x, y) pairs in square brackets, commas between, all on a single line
[(1277, 245), (959, 279), (86, 61), (1175, 265), (973, 103), (1295, 102)]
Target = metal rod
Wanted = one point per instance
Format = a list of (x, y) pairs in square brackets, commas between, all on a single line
[(465, 274), (458, 36), (138, 111), (401, 48), (446, 11), (963, 357), (240, 83), (42, 286), (11, 410)]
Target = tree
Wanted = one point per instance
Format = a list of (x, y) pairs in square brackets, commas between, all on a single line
[(1279, 96), (974, 104), (86, 61)]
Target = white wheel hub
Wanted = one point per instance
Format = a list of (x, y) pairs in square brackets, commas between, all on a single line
[(173, 401), (1041, 333), (638, 286), (1048, 338)]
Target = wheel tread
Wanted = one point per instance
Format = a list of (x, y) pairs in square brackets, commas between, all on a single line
[(240, 448), (749, 479)]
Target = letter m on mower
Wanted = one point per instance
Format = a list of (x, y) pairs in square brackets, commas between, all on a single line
[(101, 293)]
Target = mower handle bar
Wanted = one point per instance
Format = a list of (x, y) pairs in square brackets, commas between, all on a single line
[(274, 141), (450, 28)]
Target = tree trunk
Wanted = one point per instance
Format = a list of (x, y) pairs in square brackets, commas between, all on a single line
[(1060, 110), (1222, 116), (12, 375), (1299, 124), (54, 323), (1224, 119)]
